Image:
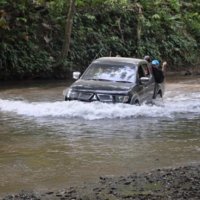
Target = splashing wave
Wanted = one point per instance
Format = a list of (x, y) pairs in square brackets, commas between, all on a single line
[(171, 106)]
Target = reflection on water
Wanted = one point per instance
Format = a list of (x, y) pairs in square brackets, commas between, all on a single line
[(46, 143)]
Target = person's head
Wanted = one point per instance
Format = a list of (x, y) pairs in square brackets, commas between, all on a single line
[(147, 58), (155, 63)]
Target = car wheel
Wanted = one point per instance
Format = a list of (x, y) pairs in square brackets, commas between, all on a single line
[(135, 101)]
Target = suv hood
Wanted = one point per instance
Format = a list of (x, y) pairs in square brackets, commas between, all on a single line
[(106, 86)]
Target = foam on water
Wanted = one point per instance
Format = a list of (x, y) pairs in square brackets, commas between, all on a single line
[(170, 107)]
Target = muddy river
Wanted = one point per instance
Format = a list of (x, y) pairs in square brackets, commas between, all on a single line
[(47, 144)]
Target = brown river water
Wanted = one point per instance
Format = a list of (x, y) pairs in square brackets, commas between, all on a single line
[(49, 144)]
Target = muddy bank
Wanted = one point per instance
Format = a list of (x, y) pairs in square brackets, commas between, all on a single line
[(174, 183)]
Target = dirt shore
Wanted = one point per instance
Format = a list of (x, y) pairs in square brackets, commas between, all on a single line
[(181, 183)]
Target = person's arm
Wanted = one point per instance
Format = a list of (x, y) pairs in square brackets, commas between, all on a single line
[(164, 66)]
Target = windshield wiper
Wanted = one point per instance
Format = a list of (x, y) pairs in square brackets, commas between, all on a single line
[(99, 79), (124, 81)]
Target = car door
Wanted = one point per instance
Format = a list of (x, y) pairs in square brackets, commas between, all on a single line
[(140, 87), (148, 87)]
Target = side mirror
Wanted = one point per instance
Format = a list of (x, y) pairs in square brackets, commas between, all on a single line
[(144, 80), (76, 75)]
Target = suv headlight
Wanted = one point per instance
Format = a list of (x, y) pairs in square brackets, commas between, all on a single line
[(72, 94), (121, 99)]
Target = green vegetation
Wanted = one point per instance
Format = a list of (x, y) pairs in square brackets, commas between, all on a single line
[(35, 37)]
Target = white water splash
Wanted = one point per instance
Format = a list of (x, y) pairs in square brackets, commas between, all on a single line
[(170, 107)]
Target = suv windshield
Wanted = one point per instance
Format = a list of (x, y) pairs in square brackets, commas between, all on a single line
[(111, 72)]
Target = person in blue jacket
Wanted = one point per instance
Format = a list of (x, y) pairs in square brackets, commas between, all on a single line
[(156, 69), (158, 72)]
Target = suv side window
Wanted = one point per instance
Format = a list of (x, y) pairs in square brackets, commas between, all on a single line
[(140, 71)]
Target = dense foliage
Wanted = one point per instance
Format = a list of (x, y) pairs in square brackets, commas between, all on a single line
[(32, 34)]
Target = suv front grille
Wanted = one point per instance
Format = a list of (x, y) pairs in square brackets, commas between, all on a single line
[(105, 97), (89, 96)]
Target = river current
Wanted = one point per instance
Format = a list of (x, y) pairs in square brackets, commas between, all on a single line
[(47, 143)]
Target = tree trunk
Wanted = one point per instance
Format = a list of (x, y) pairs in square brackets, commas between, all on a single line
[(68, 30), (139, 25)]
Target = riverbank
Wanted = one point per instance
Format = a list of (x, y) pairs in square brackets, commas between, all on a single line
[(171, 183)]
